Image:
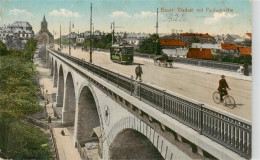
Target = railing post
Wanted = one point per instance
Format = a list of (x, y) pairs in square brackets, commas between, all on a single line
[(163, 104), (201, 119), (117, 80), (139, 84)]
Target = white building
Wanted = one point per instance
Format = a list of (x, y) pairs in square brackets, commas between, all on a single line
[(206, 45), (20, 29)]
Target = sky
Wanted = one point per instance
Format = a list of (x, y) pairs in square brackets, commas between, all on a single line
[(132, 15)]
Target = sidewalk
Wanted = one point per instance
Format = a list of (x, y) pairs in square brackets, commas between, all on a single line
[(65, 146)]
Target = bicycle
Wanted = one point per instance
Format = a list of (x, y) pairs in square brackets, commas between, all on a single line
[(229, 101)]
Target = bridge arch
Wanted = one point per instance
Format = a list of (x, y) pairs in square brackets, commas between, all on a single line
[(130, 138), (88, 116), (55, 75), (131, 144), (60, 95), (68, 114)]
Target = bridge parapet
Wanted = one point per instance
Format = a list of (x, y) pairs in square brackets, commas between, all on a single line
[(228, 130)]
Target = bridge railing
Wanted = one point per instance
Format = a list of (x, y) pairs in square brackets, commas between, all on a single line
[(228, 130), (210, 64)]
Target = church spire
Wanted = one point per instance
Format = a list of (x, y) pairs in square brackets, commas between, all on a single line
[(44, 18)]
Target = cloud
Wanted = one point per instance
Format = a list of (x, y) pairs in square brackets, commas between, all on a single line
[(20, 11), (65, 13), (120, 14), (218, 16), (144, 14)]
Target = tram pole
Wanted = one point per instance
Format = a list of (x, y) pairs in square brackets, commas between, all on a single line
[(90, 46)]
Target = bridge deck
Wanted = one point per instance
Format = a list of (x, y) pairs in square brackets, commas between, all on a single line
[(190, 83)]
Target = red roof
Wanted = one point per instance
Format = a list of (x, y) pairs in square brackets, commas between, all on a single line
[(245, 50), (197, 34), (166, 42), (249, 35), (199, 53), (228, 46)]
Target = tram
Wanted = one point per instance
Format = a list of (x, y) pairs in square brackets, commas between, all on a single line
[(122, 53)]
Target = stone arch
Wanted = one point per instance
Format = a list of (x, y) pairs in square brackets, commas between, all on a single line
[(131, 144), (60, 87), (136, 140), (55, 75), (88, 117), (68, 114)]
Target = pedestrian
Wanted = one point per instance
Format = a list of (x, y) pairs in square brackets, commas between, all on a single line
[(138, 72), (62, 132), (49, 119)]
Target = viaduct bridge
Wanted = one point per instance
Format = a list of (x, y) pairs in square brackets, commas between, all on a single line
[(133, 120)]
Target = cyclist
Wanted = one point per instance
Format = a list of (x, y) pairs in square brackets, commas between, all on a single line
[(222, 88)]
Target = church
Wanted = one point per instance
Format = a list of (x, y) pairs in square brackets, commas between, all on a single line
[(44, 36)]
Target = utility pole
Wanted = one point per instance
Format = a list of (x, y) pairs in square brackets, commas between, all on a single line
[(69, 37), (60, 37), (90, 46), (113, 31), (156, 31), (157, 22)]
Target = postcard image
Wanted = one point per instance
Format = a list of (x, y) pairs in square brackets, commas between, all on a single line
[(121, 79)]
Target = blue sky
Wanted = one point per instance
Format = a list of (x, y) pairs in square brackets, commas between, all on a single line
[(131, 15)]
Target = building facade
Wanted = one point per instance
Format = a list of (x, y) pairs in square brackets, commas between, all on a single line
[(19, 29), (44, 36)]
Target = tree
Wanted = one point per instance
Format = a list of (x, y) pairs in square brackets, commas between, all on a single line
[(3, 49), (151, 45), (30, 48), (18, 95)]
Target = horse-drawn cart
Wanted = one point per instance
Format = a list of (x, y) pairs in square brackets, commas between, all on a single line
[(163, 61)]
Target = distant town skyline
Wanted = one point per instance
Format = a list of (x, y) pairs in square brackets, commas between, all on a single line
[(133, 16)]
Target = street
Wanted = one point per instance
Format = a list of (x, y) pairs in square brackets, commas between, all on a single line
[(189, 83)]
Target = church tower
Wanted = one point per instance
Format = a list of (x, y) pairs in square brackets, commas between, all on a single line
[(44, 25)]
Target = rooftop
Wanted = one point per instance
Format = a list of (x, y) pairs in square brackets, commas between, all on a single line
[(245, 50), (228, 46), (20, 24), (166, 42)]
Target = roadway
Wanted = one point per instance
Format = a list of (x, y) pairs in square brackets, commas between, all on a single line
[(193, 84)]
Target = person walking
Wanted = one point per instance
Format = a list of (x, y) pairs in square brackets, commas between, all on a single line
[(138, 72)]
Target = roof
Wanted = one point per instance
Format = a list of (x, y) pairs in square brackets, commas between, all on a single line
[(166, 42), (199, 53), (20, 24), (197, 34), (249, 35), (245, 50), (228, 46)]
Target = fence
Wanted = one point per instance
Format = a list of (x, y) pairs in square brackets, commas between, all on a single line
[(45, 126), (210, 64), (227, 130)]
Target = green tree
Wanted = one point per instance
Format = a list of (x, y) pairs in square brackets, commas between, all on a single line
[(30, 48), (3, 49), (18, 95), (27, 142), (151, 45)]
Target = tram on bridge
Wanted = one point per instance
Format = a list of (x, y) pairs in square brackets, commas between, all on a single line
[(122, 53)]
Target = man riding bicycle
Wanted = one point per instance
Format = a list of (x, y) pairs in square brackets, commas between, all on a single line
[(222, 88)]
